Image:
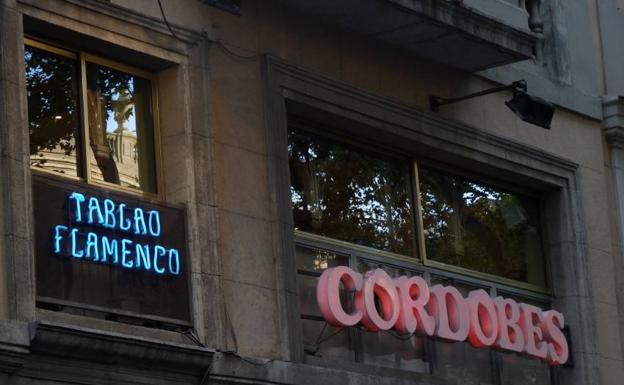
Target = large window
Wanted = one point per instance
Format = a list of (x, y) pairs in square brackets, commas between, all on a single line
[(91, 119), (359, 196), (357, 206)]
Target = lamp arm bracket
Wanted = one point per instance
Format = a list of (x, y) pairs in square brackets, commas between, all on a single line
[(436, 101)]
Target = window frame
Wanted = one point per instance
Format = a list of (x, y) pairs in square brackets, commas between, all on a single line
[(81, 58), (290, 88), (419, 264), (420, 257)]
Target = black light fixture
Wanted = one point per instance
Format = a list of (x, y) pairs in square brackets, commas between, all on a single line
[(530, 109)]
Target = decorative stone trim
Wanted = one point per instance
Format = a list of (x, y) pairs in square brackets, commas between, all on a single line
[(103, 347)]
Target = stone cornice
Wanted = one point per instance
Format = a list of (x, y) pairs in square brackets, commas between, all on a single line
[(19, 341), (118, 349)]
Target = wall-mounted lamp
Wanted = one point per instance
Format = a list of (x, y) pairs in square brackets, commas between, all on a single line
[(529, 108)]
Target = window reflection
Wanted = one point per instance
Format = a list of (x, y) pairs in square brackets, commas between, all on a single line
[(120, 128), (52, 90), (478, 227), (349, 194)]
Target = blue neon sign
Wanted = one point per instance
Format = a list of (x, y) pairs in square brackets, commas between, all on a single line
[(80, 240)]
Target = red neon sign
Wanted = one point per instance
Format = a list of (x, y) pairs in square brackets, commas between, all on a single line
[(409, 305)]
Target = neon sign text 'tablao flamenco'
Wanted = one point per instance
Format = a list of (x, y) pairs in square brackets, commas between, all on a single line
[(127, 237), (409, 305)]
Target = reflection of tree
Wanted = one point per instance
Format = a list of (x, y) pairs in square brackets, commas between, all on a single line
[(475, 226), (350, 195), (52, 103), (111, 85)]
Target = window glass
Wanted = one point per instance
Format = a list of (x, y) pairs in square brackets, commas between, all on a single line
[(324, 340), (320, 338), (391, 350), (516, 370), (460, 362), (475, 226), (350, 194), (53, 116), (121, 129)]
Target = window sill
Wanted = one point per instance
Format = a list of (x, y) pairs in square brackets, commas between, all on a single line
[(433, 267), (100, 328)]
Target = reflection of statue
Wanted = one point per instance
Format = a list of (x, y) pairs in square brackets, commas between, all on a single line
[(122, 109)]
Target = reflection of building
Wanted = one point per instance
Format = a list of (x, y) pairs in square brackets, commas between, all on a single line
[(360, 72), (55, 160), (123, 145)]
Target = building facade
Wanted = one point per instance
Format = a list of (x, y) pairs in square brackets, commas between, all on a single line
[(177, 175)]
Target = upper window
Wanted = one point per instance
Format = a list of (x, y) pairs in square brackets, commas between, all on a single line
[(90, 118), (359, 196)]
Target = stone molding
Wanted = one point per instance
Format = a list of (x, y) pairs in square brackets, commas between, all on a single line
[(74, 342), (126, 15), (27, 348)]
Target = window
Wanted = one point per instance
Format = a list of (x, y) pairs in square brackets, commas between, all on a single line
[(353, 205), (91, 119), (472, 225), (356, 195), (103, 253), (343, 193)]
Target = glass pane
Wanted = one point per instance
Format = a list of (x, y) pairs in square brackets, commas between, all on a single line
[(393, 351), (121, 129), (475, 226), (324, 340), (315, 261), (52, 89), (307, 295), (460, 363), (517, 370), (350, 194)]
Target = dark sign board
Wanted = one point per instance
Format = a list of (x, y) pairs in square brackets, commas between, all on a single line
[(110, 252)]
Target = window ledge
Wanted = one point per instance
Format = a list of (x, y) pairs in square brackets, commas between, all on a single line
[(227, 367), (106, 347)]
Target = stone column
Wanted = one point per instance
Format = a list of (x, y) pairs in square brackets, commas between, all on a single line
[(613, 125), (16, 223)]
